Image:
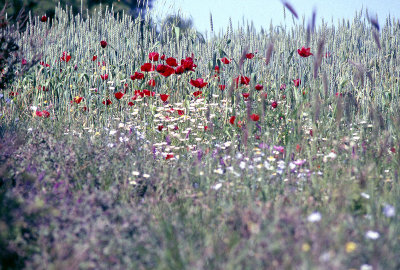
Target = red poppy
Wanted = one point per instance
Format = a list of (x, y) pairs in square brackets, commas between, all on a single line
[(130, 103), (39, 113), (94, 57), (180, 69), (148, 93), (162, 57), (119, 95), (181, 112), (197, 93), (274, 104), (304, 52), (65, 57), (164, 97), (311, 132), (216, 69), (160, 127), (153, 56), (249, 55), (222, 87), (232, 120), (12, 94), (137, 75), (297, 82), (165, 70), (259, 87), (172, 62), (199, 83), (78, 100), (225, 60), (188, 63), (246, 95), (107, 102), (152, 82), (44, 18), (104, 77), (24, 62), (255, 117), (147, 67), (139, 93), (103, 43), (44, 64), (169, 156), (46, 113), (243, 80)]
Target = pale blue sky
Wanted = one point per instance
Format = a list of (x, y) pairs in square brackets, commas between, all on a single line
[(261, 12)]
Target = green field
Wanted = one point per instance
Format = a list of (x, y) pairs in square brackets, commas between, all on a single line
[(277, 159)]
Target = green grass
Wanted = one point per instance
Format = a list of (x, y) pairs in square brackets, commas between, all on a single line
[(93, 189)]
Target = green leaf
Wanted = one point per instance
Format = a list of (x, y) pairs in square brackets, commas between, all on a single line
[(290, 56)]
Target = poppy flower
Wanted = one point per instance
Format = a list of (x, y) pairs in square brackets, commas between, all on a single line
[(169, 156), (225, 60), (78, 99), (274, 104), (162, 57), (205, 128), (148, 93), (39, 113), (138, 93), (152, 82), (171, 62), (246, 95), (137, 75), (249, 55), (216, 69), (44, 18), (12, 94), (24, 62), (282, 87), (232, 120), (160, 127), (147, 67), (188, 63), (46, 113), (222, 87), (130, 103), (164, 97), (311, 132), (181, 112), (94, 57), (197, 93), (243, 80), (255, 117), (65, 57), (199, 83), (259, 87), (304, 52), (103, 44), (180, 69), (119, 95), (107, 102), (104, 77), (165, 70), (153, 56), (297, 82)]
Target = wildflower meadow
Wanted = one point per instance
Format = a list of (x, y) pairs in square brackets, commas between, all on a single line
[(128, 148)]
